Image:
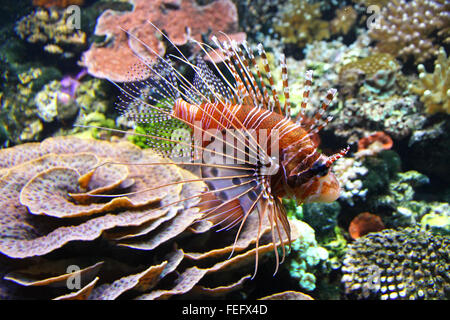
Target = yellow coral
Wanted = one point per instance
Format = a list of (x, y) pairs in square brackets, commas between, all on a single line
[(372, 64), (53, 30), (344, 21), (299, 22), (434, 88)]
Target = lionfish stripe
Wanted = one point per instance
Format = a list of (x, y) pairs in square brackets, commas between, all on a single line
[(328, 98), (284, 76), (308, 82), (263, 55)]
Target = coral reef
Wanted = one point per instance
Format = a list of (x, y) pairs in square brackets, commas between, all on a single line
[(52, 103), (349, 172), (306, 254), (117, 57), (397, 116), (376, 73), (121, 246), (439, 220), (411, 28), (399, 200), (374, 143), (428, 150), (434, 88), (365, 223), (299, 22), (18, 115), (53, 30), (344, 20), (398, 264), (57, 3)]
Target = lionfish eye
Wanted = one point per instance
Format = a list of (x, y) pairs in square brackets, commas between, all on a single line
[(320, 168)]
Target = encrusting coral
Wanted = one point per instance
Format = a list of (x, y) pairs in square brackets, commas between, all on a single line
[(398, 264), (434, 88), (411, 28), (117, 246), (180, 20)]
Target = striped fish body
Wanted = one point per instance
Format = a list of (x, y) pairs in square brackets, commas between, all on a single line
[(297, 152), (279, 157)]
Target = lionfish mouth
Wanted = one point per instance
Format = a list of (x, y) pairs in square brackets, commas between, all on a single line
[(324, 189)]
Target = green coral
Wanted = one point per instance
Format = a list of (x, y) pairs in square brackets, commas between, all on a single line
[(322, 217), (438, 222), (18, 115), (306, 254)]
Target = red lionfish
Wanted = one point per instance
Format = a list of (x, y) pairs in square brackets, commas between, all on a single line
[(274, 157)]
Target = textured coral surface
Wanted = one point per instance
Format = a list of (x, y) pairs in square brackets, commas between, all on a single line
[(404, 264), (129, 35), (130, 240)]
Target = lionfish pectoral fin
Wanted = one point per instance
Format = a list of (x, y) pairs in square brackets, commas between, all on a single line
[(233, 187), (209, 85)]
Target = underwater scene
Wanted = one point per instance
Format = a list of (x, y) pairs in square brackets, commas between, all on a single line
[(225, 150)]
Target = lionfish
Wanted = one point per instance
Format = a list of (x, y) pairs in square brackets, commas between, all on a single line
[(264, 154)]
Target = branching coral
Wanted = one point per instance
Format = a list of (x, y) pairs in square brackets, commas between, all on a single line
[(299, 22), (123, 245), (118, 55), (434, 88), (53, 30), (408, 28), (404, 264), (344, 20)]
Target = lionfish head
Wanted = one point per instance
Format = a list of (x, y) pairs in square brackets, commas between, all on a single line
[(322, 185)]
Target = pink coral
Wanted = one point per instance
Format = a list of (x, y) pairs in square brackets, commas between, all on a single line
[(179, 19)]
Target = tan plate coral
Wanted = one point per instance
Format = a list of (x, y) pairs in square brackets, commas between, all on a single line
[(53, 230)]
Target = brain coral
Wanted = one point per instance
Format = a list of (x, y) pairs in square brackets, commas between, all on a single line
[(78, 246), (398, 264)]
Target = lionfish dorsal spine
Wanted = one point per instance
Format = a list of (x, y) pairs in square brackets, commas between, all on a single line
[(266, 65), (284, 79), (265, 93)]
